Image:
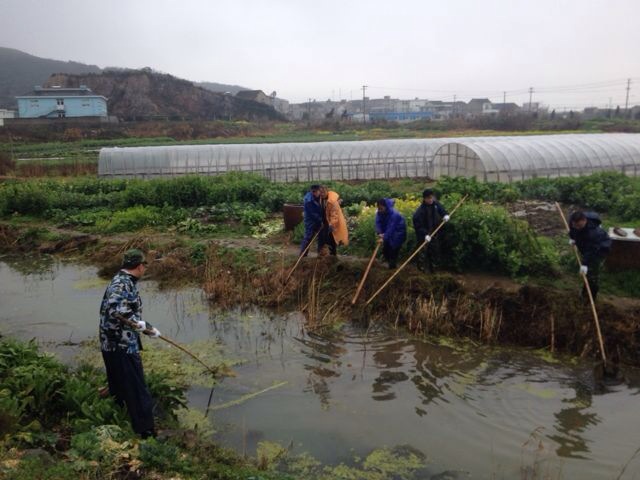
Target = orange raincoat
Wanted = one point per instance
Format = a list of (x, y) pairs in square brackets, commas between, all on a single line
[(336, 219)]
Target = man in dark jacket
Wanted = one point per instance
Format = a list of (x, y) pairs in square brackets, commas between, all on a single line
[(120, 326), (391, 229), (593, 244), (313, 216), (425, 220)]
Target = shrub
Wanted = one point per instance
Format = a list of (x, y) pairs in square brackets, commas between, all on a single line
[(37, 392), (188, 191), (479, 236), (628, 207), (161, 456), (25, 198), (7, 164), (477, 190), (604, 191), (275, 196), (487, 237), (252, 217), (131, 219), (140, 193)]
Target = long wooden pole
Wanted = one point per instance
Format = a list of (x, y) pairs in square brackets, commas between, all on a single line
[(180, 347), (304, 252), (422, 245), (366, 273), (588, 289), (133, 324)]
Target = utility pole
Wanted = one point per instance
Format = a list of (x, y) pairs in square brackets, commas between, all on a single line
[(453, 108), (530, 97), (626, 102), (309, 112), (364, 113), (504, 98)]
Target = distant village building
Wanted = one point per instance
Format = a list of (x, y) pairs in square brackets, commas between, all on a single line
[(531, 107), (400, 117), (477, 106), (398, 110), (508, 108), (255, 96), (59, 102), (6, 114)]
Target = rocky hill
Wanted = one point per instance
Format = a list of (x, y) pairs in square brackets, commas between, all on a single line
[(222, 87), (19, 72), (143, 94)]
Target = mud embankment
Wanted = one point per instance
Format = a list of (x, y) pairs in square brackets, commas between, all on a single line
[(444, 304)]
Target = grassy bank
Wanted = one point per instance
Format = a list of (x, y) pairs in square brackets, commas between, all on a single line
[(55, 425), (223, 233), (485, 235)]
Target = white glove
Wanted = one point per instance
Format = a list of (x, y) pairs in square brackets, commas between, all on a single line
[(427, 238), (445, 218), (141, 325), (583, 269), (572, 242), (155, 333)]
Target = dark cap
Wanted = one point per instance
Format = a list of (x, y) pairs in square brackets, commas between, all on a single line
[(577, 216), (132, 258), (427, 192), (315, 186)]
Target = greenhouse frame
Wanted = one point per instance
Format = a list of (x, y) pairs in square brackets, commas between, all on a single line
[(503, 159), (283, 162), (508, 159)]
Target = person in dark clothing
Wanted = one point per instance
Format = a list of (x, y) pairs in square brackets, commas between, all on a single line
[(593, 244), (425, 220), (313, 215), (391, 229), (120, 343)]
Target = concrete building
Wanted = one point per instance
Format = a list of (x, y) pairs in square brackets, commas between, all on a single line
[(508, 108), (400, 117), (281, 105), (477, 106), (58, 102), (254, 95), (6, 114)]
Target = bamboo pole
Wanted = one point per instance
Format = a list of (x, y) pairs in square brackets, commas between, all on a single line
[(133, 324), (417, 250), (248, 396), (366, 273), (304, 252), (588, 289), (180, 347)]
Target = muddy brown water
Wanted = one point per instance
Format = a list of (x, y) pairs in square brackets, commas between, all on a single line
[(468, 408)]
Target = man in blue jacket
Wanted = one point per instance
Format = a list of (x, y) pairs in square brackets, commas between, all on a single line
[(425, 220), (120, 327), (391, 229), (312, 215), (593, 244)]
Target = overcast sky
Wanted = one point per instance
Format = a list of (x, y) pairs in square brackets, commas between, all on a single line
[(572, 53)]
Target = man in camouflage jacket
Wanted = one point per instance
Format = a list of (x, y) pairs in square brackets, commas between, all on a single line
[(120, 327)]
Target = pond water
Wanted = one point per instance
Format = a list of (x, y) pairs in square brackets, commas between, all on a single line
[(485, 411)]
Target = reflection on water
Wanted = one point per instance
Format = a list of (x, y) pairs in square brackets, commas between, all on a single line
[(352, 391)]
